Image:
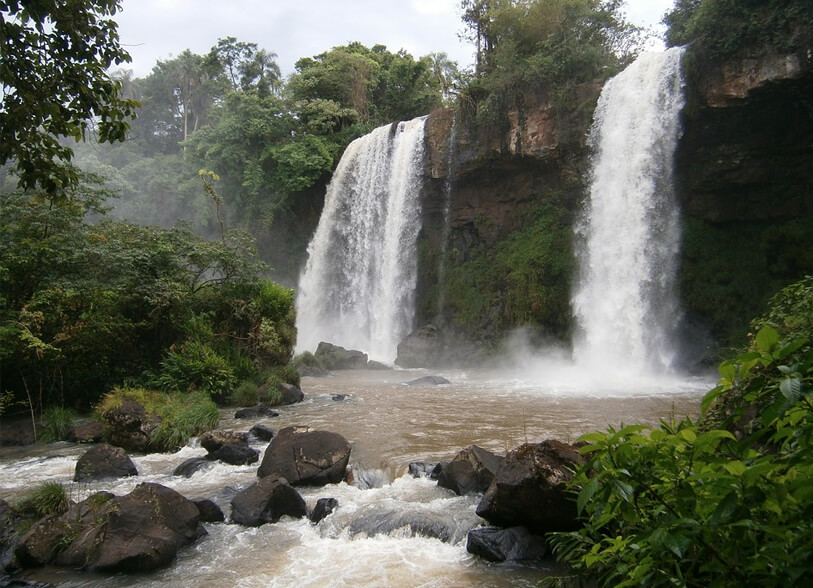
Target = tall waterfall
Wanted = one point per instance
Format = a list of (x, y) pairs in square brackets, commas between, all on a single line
[(625, 302), (358, 286)]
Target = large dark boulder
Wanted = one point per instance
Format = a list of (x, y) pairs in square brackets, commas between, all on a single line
[(514, 544), (333, 357), (306, 457), (266, 501), (130, 425), (16, 431), (472, 470), (104, 461), (138, 532), (530, 489)]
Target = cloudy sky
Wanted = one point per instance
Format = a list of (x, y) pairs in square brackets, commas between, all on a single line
[(158, 29)]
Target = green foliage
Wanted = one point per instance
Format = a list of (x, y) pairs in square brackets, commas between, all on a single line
[(245, 394), (790, 311), (196, 367), (85, 306), (530, 46), (729, 271), (523, 279), (54, 80), (48, 498), (57, 422), (719, 29), (183, 416), (726, 502)]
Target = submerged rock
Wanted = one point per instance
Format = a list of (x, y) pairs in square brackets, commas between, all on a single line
[(514, 544), (428, 381), (194, 464), (261, 432), (306, 457), (324, 507), (255, 412)]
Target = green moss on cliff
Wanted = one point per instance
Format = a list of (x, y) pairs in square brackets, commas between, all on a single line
[(523, 279), (730, 270)]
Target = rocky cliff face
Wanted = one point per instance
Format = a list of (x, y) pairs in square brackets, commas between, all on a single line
[(744, 173)]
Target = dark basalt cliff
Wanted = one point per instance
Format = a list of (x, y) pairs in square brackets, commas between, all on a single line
[(744, 175)]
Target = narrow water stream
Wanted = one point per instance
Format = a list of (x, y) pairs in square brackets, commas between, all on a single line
[(389, 425)]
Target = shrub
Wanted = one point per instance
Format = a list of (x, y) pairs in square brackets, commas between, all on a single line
[(48, 498), (182, 417), (196, 367), (692, 504), (246, 394), (57, 422)]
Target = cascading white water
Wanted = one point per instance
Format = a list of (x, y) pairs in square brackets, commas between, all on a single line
[(625, 302), (358, 287)]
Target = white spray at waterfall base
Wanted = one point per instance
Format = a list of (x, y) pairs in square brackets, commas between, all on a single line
[(625, 302), (358, 287)]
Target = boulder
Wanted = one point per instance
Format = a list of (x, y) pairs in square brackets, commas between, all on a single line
[(130, 426), (138, 532), (261, 432), (229, 447), (16, 431), (323, 508), (377, 365), (290, 394), (91, 432), (421, 348), (266, 501), (333, 357), (364, 479), (255, 412), (104, 461), (418, 523), (428, 381), (339, 397), (214, 440), (495, 544), (194, 464), (530, 489), (472, 470), (209, 511), (306, 457)]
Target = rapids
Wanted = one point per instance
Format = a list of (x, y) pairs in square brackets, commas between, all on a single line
[(389, 425)]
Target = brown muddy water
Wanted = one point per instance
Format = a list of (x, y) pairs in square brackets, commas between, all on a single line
[(389, 425)]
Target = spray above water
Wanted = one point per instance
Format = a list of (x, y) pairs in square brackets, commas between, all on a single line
[(625, 302), (358, 287)]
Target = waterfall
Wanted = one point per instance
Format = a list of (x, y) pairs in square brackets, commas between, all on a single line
[(625, 302), (358, 286)]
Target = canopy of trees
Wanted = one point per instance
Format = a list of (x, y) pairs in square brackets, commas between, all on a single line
[(54, 58)]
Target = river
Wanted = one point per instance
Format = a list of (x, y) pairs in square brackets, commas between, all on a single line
[(389, 425)]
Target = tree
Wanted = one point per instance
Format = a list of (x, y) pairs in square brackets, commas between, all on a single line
[(55, 56)]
